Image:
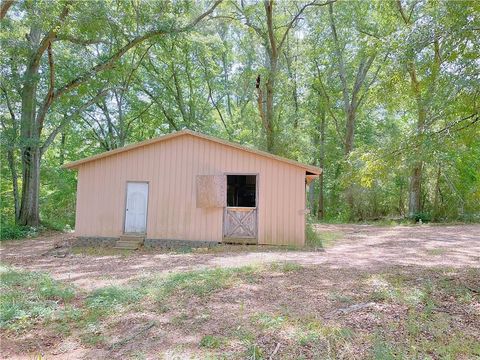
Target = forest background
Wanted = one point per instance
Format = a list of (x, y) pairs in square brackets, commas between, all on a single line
[(383, 95)]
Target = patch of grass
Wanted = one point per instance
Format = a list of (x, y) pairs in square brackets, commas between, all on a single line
[(211, 342), (184, 250), (268, 321), (320, 239), (396, 288), (244, 334), (330, 237), (65, 319), (463, 290), (309, 338), (285, 266), (382, 350), (180, 319), (344, 299), (106, 301), (28, 297), (111, 296), (382, 289), (328, 341), (431, 339), (239, 248), (254, 352), (436, 251), (200, 283), (429, 330), (309, 333), (138, 355), (92, 339)]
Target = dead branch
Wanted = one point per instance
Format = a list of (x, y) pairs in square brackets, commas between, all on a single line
[(274, 351), (124, 341)]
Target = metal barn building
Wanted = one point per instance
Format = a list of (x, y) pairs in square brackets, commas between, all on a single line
[(190, 189)]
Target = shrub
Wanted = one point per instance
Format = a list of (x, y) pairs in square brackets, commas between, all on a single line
[(422, 216), (9, 231), (312, 237)]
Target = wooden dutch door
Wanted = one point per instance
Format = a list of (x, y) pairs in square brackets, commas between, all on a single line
[(240, 214), (237, 194)]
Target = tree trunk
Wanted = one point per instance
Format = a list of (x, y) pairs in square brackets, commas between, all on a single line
[(13, 171), (61, 159), (121, 135), (269, 116), (349, 133), (321, 206), (401, 207), (29, 211), (415, 195), (225, 84), (350, 130), (30, 145), (311, 198), (437, 196)]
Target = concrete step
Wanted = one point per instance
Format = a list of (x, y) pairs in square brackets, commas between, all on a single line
[(130, 246), (130, 241), (126, 247), (132, 237)]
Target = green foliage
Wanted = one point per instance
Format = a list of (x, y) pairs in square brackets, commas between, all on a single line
[(205, 79), (58, 192), (422, 217), (11, 231)]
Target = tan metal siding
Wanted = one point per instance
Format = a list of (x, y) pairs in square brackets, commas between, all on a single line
[(171, 167)]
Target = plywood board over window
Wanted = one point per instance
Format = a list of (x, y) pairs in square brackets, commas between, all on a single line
[(211, 191)]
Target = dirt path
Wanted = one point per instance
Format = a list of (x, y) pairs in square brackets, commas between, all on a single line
[(362, 247), (363, 284)]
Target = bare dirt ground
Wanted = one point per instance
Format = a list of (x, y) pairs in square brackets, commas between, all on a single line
[(362, 247), (338, 303)]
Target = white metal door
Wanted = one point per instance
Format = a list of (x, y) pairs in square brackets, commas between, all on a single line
[(136, 207)]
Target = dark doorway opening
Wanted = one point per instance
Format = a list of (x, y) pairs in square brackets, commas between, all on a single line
[(242, 190)]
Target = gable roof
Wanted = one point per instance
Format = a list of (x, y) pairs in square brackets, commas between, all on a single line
[(75, 164)]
